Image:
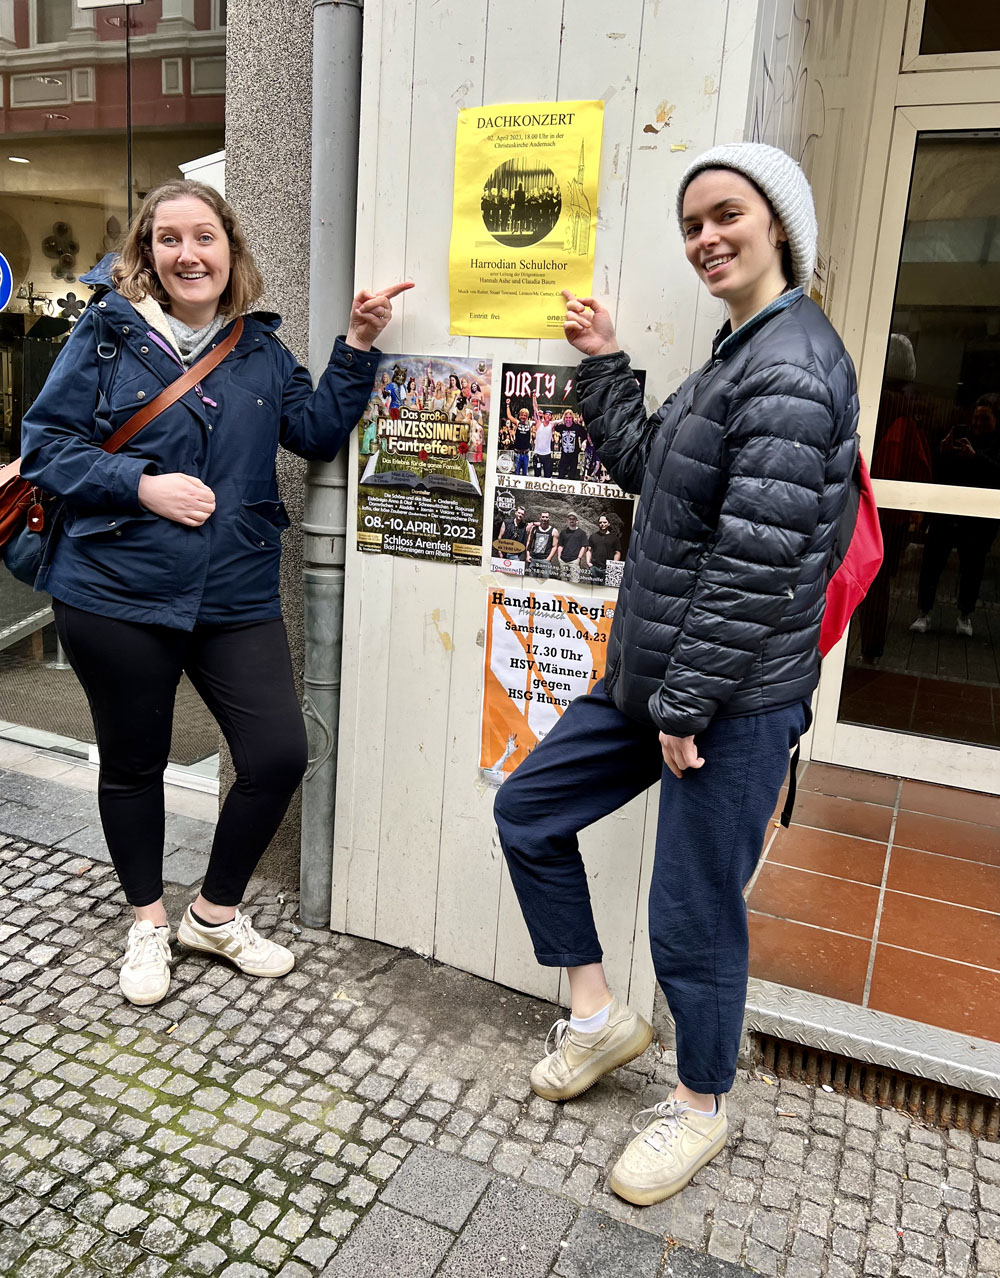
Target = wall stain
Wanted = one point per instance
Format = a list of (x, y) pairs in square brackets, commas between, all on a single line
[(663, 113), (443, 635), (664, 331)]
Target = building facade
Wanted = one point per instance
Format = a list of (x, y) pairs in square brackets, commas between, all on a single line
[(894, 112)]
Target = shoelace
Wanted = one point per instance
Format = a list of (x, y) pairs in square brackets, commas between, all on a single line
[(661, 1122), (243, 930), (144, 949), (557, 1036)]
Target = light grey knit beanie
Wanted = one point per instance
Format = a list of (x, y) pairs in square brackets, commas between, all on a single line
[(784, 184)]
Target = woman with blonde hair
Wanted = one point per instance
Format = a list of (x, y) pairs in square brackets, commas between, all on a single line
[(167, 555)]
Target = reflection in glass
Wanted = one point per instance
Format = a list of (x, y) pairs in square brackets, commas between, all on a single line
[(946, 314), (924, 648), (960, 26), (63, 110)]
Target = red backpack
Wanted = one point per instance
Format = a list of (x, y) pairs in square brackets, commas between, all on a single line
[(857, 557), (854, 565)]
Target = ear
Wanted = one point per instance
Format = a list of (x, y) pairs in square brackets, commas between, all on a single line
[(780, 235)]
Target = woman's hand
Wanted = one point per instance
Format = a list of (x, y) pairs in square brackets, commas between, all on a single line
[(370, 312), (182, 498), (588, 326), (680, 753)]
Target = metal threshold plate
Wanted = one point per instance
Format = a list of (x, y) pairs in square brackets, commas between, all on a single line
[(878, 1038)]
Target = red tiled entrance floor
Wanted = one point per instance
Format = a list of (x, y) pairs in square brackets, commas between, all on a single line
[(884, 893)]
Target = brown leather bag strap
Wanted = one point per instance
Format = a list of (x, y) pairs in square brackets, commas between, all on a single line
[(172, 393)]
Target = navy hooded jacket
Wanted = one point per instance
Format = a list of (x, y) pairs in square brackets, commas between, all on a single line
[(108, 554)]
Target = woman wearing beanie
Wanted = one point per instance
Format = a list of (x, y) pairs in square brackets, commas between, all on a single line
[(712, 660)]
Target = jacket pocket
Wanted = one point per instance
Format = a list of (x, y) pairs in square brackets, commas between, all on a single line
[(263, 522), (106, 525)]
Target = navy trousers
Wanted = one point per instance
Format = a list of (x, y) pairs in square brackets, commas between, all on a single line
[(710, 832)]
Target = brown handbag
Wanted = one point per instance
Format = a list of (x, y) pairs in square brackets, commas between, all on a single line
[(21, 502)]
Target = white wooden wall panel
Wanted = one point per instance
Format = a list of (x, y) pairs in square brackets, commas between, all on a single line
[(517, 70), (416, 858)]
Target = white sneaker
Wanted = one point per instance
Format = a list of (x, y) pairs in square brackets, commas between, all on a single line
[(145, 974), (674, 1142), (238, 942), (963, 626), (921, 625), (575, 1061)]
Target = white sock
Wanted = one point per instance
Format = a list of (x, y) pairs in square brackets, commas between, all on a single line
[(590, 1024), (709, 1113)]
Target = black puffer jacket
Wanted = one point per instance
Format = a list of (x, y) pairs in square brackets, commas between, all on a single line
[(743, 475)]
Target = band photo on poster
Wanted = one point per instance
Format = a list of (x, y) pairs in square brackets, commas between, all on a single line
[(556, 511), (421, 458)]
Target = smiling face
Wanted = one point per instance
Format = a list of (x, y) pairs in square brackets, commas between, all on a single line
[(191, 257), (733, 241)]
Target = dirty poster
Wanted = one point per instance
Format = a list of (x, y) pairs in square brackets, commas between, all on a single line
[(525, 215), (542, 651), (556, 511), (421, 450)]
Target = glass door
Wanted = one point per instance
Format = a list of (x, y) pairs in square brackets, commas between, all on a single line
[(916, 688)]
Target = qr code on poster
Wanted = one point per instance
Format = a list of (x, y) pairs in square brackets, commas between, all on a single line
[(613, 572)]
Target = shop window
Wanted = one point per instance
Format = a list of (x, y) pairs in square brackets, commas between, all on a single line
[(960, 26)]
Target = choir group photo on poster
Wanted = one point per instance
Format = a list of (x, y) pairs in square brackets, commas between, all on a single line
[(421, 458), (556, 511)]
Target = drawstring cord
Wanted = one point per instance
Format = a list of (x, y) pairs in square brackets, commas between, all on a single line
[(155, 337)]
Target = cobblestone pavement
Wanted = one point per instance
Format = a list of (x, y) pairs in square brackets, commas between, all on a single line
[(370, 1114)]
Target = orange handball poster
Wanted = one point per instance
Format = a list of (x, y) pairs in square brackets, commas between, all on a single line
[(542, 651)]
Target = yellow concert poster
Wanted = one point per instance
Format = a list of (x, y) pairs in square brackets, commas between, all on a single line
[(525, 215)]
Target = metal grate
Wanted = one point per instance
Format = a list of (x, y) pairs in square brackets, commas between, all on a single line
[(934, 1103)]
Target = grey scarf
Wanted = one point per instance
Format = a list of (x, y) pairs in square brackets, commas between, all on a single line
[(191, 342)]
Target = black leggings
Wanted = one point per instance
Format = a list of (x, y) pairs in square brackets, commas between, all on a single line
[(243, 672)]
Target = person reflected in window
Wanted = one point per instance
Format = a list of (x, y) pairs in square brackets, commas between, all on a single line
[(968, 456), (902, 451)]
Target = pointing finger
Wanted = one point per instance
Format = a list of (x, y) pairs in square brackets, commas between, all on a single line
[(394, 289)]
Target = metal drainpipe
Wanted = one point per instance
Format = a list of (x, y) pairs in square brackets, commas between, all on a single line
[(336, 103)]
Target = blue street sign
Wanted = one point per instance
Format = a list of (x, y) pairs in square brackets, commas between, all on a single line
[(6, 282)]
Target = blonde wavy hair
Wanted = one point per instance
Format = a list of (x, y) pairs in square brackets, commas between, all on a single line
[(135, 277)]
